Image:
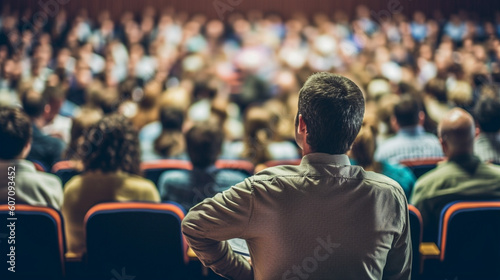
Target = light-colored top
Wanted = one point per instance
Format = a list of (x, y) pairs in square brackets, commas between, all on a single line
[(487, 147), (31, 187), (321, 219), (84, 191), (282, 150), (409, 143)]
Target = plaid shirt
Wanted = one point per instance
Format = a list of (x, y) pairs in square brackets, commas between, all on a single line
[(409, 143), (487, 147)]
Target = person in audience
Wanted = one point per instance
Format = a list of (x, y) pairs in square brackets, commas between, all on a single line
[(188, 188), (19, 175), (45, 149), (111, 160), (462, 177), (487, 143), (259, 144), (57, 126), (410, 141), (81, 123), (366, 233), (362, 151), (164, 139)]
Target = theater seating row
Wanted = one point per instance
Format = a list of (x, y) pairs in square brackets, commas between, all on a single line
[(144, 240)]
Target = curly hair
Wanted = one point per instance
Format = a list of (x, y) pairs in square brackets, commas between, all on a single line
[(111, 145)]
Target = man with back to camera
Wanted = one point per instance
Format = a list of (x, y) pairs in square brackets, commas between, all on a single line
[(462, 177), (31, 187), (322, 219), (411, 141)]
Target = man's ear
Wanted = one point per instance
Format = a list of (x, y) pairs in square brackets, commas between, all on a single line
[(26, 150), (444, 145), (394, 124), (421, 118), (302, 127)]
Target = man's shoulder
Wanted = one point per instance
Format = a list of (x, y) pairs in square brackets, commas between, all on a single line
[(40, 179)]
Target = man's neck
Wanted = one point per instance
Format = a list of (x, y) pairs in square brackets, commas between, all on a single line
[(39, 122)]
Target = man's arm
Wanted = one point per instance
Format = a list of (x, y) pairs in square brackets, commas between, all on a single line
[(399, 259), (211, 222)]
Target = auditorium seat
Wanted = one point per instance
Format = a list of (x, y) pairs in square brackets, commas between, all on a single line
[(38, 238), (142, 240), (421, 166), (152, 170), (65, 170), (469, 240), (416, 225), (39, 166)]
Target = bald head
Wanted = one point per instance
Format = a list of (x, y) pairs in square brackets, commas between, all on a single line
[(456, 132)]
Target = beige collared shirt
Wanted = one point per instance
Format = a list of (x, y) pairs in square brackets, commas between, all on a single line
[(322, 219)]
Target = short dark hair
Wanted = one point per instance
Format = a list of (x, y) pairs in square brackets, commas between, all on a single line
[(407, 110), (487, 114), (33, 103), (332, 107), (110, 145), (204, 144), (15, 132)]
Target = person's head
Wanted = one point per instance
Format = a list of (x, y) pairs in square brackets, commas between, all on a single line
[(204, 144), (15, 133), (487, 113), (363, 147), (408, 112), (81, 123), (259, 129), (330, 114), (111, 145), (55, 97), (34, 104), (456, 133), (171, 141)]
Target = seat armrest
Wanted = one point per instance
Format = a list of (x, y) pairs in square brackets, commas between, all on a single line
[(429, 250)]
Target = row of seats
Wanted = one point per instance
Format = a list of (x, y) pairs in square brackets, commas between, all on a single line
[(468, 242), (145, 240), (152, 170)]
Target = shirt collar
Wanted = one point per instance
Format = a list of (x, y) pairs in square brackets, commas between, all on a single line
[(323, 158), (411, 130)]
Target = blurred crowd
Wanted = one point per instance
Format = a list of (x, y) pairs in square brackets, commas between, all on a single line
[(165, 70)]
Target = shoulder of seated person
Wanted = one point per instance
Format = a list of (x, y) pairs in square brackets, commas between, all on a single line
[(45, 178)]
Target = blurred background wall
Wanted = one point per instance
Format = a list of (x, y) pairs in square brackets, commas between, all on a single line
[(214, 8)]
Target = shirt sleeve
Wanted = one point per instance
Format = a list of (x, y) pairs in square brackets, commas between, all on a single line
[(399, 259), (211, 222)]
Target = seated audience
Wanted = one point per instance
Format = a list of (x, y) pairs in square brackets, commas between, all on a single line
[(164, 139), (188, 188), (410, 141), (30, 186), (259, 140), (462, 177), (111, 163), (45, 149), (362, 151), (487, 143)]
